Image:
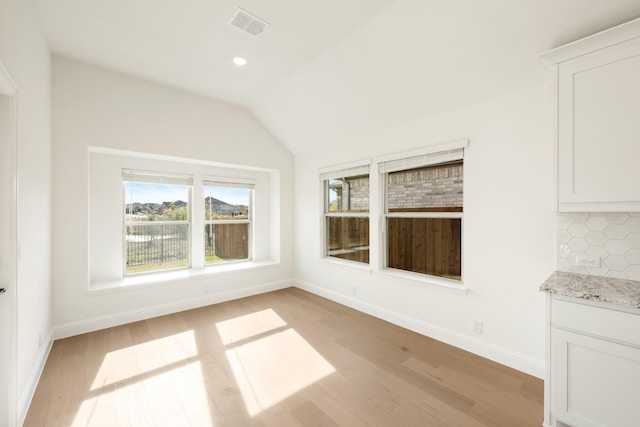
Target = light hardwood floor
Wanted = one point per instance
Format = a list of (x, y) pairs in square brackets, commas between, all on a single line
[(286, 358)]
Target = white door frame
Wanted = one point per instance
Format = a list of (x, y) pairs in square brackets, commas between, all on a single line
[(8, 88)]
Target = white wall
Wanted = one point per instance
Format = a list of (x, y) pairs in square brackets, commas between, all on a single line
[(93, 107), (25, 55), (508, 229), (6, 302)]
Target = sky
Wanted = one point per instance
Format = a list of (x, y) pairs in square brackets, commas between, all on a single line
[(333, 194), (233, 196), (158, 193)]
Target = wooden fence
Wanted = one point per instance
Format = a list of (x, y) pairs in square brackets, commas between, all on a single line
[(422, 245), (227, 241), (348, 238), (425, 245)]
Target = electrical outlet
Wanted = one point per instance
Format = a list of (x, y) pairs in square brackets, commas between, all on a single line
[(586, 261), (477, 327), (354, 290)]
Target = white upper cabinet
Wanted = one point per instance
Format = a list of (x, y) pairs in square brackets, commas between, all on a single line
[(598, 121)]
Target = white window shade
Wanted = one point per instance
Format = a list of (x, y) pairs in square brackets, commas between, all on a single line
[(228, 184), (346, 170), (156, 177), (430, 156)]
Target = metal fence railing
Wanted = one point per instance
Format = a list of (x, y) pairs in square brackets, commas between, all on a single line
[(156, 246)]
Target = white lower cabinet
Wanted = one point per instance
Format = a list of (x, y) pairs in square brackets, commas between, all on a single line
[(594, 366)]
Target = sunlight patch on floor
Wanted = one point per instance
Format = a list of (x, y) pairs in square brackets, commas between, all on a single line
[(96, 410), (271, 367), (158, 381), (251, 325), (150, 356)]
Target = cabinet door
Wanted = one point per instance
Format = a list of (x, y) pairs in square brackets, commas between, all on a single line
[(595, 383), (599, 130)]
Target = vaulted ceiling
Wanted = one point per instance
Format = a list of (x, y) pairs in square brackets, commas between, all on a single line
[(324, 71)]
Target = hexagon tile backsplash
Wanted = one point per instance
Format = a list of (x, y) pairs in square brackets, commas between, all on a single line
[(614, 238)]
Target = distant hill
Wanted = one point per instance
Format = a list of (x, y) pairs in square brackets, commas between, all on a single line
[(216, 202), (152, 208), (224, 208), (211, 203)]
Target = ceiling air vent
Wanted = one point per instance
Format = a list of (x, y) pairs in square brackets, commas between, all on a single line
[(248, 23)]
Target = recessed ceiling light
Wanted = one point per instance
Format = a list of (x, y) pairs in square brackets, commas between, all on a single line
[(239, 61)]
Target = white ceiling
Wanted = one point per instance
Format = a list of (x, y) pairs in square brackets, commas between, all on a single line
[(325, 71)]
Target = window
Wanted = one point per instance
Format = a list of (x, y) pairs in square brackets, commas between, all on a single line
[(227, 221), (127, 236), (157, 221), (346, 213), (423, 213)]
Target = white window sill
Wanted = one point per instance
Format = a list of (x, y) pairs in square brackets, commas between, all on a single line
[(165, 277), (417, 279), (346, 263), (432, 282)]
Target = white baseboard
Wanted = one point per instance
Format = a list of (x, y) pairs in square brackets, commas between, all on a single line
[(103, 322), (32, 382), (490, 351)]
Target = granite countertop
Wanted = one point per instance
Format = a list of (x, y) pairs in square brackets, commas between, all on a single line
[(594, 288)]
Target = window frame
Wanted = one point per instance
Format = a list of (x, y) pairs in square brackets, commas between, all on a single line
[(415, 159), (344, 171), (230, 183), (152, 177)]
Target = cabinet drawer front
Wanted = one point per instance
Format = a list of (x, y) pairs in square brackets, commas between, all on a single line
[(609, 324)]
